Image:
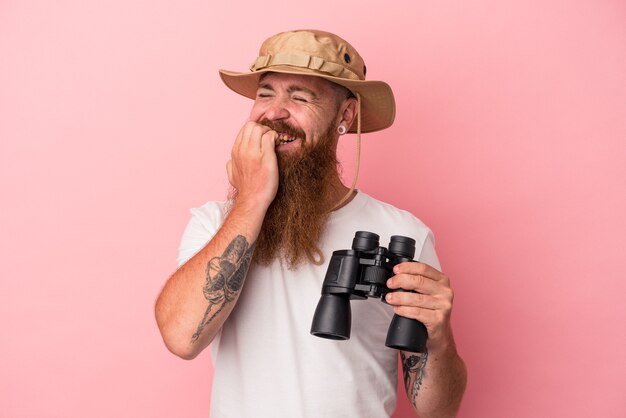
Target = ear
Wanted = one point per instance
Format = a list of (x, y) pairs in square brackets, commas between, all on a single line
[(347, 112)]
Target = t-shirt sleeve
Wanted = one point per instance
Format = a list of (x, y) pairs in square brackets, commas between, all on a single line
[(203, 225), (428, 255)]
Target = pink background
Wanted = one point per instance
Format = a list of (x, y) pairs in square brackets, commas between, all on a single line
[(510, 142)]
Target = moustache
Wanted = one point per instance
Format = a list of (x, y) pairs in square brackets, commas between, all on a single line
[(283, 127)]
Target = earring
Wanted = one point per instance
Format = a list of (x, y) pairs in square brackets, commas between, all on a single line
[(342, 129)]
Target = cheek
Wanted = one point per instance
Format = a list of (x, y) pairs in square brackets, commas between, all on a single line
[(255, 113)]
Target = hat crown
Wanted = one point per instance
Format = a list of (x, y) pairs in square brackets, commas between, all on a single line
[(317, 44), (325, 55)]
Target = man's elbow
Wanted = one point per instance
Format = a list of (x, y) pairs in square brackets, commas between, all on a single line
[(175, 340), (178, 344), (182, 350)]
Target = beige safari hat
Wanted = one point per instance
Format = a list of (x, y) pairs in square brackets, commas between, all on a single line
[(325, 55)]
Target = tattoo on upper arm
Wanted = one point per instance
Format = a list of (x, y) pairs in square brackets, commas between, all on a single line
[(414, 371), (224, 279)]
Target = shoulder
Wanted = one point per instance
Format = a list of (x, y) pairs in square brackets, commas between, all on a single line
[(388, 213), (366, 213), (391, 220)]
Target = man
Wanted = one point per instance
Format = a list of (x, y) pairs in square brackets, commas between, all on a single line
[(252, 268)]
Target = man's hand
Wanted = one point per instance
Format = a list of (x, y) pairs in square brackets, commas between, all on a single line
[(253, 169), (431, 305), (434, 380)]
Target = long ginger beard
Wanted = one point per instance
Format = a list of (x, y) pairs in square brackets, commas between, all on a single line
[(295, 220)]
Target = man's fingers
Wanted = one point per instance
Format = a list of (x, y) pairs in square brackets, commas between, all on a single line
[(244, 133), (255, 140), (249, 138), (428, 317), (229, 171), (269, 140), (419, 300), (412, 299), (421, 284), (421, 269)]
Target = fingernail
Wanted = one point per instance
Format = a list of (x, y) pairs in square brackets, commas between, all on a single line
[(389, 296)]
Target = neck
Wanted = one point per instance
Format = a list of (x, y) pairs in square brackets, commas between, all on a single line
[(339, 195)]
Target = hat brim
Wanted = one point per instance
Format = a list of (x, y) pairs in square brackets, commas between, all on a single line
[(378, 108)]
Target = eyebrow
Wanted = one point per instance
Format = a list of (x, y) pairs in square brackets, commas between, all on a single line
[(290, 89)]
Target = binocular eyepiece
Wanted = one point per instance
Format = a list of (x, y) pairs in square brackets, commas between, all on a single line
[(361, 273)]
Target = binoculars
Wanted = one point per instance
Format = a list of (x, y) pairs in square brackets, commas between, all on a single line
[(361, 273)]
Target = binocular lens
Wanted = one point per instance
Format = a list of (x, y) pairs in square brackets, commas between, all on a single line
[(365, 241), (402, 246), (333, 317)]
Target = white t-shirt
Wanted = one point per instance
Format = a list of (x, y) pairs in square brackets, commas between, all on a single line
[(267, 364)]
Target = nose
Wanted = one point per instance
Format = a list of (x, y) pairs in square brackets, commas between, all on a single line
[(277, 110)]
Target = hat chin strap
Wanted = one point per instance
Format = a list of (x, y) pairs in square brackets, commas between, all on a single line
[(358, 155)]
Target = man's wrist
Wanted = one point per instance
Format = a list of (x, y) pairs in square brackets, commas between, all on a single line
[(443, 347), (249, 207)]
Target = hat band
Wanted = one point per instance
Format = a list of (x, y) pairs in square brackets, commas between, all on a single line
[(304, 61)]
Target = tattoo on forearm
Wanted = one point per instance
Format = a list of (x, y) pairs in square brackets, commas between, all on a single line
[(414, 370), (224, 278)]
